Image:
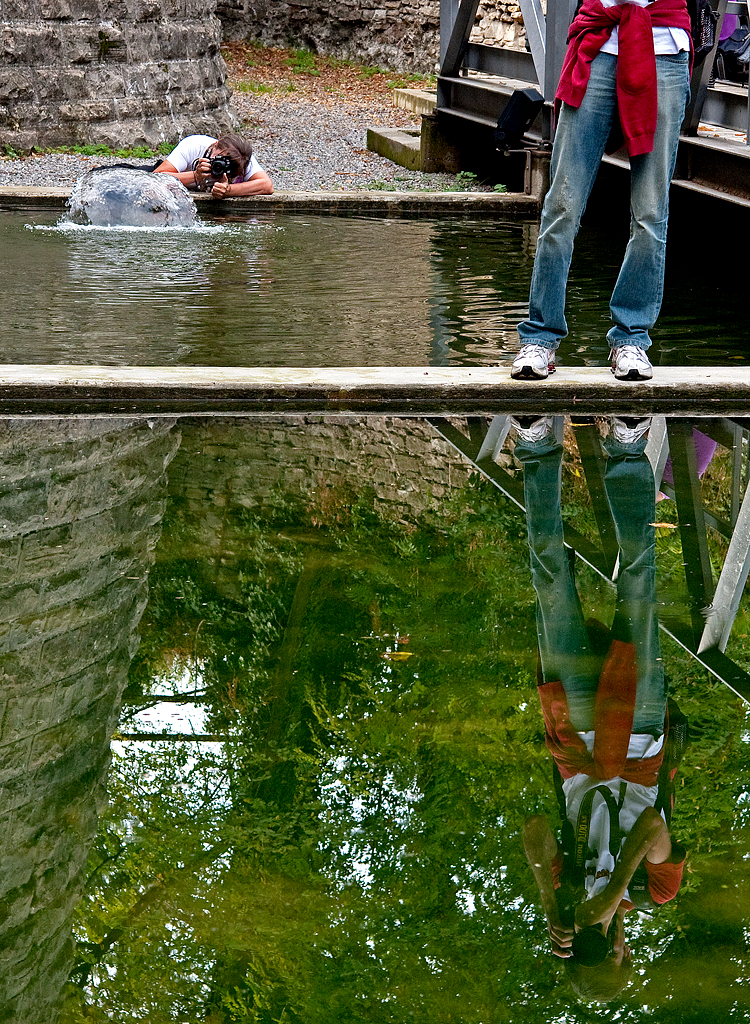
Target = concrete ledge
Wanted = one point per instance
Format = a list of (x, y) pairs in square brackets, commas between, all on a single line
[(401, 145), (353, 203), (411, 391), (419, 101), (32, 196)]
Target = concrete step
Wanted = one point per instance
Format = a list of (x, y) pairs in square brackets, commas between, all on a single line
[(419, 101), (401, 145)]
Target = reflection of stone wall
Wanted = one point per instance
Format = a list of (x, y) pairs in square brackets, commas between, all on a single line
[(123, 72), (80, 510), (223, 464), (400, 34)]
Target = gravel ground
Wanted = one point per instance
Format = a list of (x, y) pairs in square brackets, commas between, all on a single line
[(306, 146), (309, 131), (301, 145)]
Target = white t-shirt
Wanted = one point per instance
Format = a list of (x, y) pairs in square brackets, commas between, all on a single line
[(637, 799), (192, 148), (666, 40)]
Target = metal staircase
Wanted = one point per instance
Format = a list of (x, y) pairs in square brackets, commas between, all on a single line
[(476, 81)]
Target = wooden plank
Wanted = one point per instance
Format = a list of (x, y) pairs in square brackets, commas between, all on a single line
[(406, 390)]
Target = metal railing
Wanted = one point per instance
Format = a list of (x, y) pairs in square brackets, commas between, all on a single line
[(704, 628)]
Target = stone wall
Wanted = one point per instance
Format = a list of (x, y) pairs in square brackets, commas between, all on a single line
[(80, 511), (499, 23), (223, 466), (399, 34), (118, 72)]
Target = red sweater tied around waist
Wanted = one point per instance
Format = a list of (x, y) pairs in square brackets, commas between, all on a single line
[(613, 724), (636, 64)]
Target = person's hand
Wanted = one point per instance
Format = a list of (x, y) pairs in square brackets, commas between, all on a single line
[(598, 910), (221, 188), (202, 171), (560, 937)]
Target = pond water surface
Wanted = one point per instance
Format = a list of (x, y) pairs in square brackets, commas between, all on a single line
[(286, 290), (315, 641)]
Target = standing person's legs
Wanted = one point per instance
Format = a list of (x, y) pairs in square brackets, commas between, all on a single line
[(564, 647), (580, 139), (637, 296), (629, 483)]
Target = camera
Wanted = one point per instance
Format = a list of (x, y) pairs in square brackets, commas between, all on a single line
[(221, 165)]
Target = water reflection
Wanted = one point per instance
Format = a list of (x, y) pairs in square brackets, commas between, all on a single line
[(283, 290), (341, 620), (604, 703), (80, 505)]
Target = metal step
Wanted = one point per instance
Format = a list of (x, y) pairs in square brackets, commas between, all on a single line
[(715, 167), (480, 100)]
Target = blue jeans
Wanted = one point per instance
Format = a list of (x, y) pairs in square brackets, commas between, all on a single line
[(564, 644), (579, 146)]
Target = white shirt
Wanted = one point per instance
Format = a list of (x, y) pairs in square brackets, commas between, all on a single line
[(666, 40), (192, 148), (637, 799)]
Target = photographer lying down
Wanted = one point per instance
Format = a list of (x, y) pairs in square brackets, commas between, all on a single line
[(224, 167)]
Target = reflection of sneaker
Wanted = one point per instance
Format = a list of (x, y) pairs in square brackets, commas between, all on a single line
[(531, 429), (630, 363), (629, 430), (533, 361)]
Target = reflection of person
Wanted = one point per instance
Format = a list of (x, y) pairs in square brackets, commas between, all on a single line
[(604, 714), (190, 163), (627, 66)]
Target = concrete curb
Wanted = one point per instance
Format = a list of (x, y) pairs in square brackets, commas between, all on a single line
[(381, 204), (410, 391)]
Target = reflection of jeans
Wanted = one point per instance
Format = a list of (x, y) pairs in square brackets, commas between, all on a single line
[(564, 644), (579, 146)]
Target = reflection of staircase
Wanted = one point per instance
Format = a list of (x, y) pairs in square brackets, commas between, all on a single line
[(80, 509), (705, 630)]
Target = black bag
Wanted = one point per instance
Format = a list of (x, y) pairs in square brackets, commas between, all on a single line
[(518, 116), (703, 20), (733, 56)]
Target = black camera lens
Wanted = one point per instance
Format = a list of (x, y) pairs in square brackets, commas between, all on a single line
[(221, 165), (590, 947)]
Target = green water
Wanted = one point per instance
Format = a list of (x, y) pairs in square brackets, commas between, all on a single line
[(329, 291), (330, 827)]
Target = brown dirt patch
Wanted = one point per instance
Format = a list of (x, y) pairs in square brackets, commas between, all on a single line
[(302, 76)]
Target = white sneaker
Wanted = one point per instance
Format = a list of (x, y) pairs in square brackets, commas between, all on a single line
[(630, 430), (630, 363), (533, 361), (531, 430)]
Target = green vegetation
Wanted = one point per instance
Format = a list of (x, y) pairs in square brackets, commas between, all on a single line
[(140, 152), (303, 62), (253, 87), (349, 850), (404, 81), (466, 179)]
